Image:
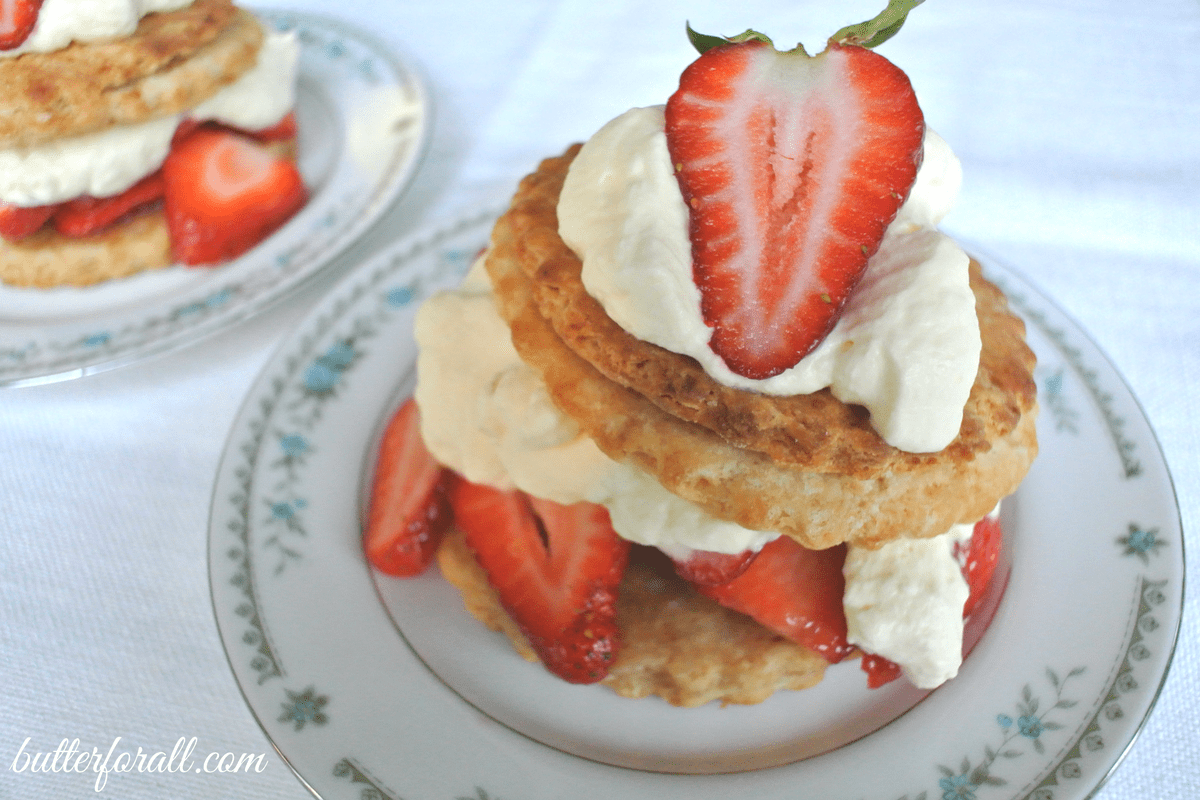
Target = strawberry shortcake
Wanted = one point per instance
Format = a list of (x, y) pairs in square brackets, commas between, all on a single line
[(720, 406), (139, 133)]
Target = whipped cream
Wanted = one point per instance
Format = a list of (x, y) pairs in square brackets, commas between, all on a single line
[(61, 22), (488, 416), (905, 601), (906, 347), (108, 162)]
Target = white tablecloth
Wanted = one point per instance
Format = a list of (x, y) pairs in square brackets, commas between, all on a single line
[(1077, 125)]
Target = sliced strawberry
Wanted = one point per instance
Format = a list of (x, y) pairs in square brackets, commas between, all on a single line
[(410, 500), (87, 215), (792, 166), (981, 559), (184, 129), (17, 18), (795, 592), (224, 194), (707, 568), (556, 569), (17, 222), (879, 670)]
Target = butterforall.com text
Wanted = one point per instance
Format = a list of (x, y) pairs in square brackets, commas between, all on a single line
[(70, 757)]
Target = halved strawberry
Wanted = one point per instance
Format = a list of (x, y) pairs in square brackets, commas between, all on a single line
[(708, 568), (410, 500), (224, 194), (792, 166), (17, 18), (87, 215), (17, 222), (795, 592), (981, 559), (556, 569)]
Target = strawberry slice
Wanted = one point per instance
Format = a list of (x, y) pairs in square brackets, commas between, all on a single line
[(17, 222), (556, 569), (410, 501), (880, 671), (17, 18), (981, 559), (87, 215), (224, 194), (708, 568), (792, 167), (795, 592)]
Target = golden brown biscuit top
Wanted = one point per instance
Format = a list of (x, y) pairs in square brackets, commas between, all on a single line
[(171, 62)]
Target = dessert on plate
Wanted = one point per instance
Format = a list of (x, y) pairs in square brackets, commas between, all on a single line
[(139, 133), (719, 406)]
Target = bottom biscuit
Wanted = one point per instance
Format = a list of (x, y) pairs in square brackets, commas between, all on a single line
[(675, 643)]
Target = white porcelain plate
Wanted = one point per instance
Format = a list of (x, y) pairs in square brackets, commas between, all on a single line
[(376, 687), (363, 125)]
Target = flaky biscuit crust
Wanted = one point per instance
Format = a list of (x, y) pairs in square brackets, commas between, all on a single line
[(675, 643), (820, 493), (172, 62)]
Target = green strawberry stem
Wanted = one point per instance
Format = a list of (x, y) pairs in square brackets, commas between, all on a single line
[(871, 33)]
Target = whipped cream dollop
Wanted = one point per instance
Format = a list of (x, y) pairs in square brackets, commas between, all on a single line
[(488, 416), (906, 347), (61, 22), (905, 601), (108, 162)]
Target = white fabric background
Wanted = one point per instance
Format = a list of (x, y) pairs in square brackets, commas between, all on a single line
[(1076, 122)]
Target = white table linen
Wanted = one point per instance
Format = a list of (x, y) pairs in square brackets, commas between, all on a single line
[(1077, 125)]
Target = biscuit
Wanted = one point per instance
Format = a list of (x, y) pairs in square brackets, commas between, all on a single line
[(47, 259), (813, 431), (172, 62), (918, 495), (675, 643)]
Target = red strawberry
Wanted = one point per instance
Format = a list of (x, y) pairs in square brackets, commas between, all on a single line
[(707, 568), (981, 558), (86, 215), (879, 670), (410, 502), (795, 592), (556, 569), (792, 166), (224, 194), (17, 222), (17, 18), (281, 131)]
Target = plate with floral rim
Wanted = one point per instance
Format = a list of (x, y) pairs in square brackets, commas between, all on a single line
[(377, 687), (364, 120)]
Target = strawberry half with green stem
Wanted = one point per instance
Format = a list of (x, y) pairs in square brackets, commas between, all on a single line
[(792, 167), (795, 592), (17, 18), (556, 570), (410, 503)]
